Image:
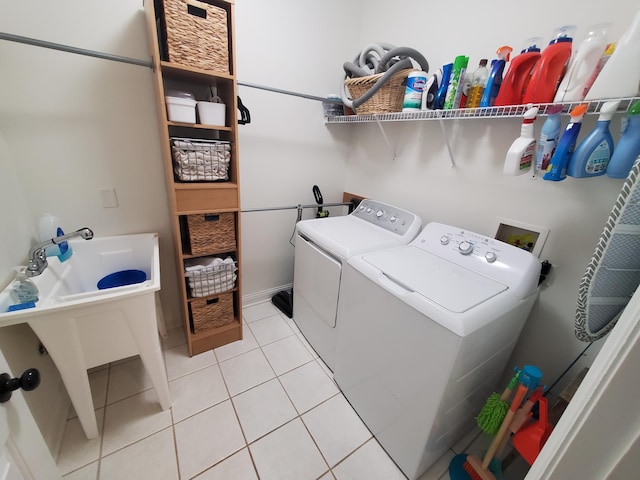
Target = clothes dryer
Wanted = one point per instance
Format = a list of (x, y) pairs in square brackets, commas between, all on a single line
[(425, 332), (322, 247)]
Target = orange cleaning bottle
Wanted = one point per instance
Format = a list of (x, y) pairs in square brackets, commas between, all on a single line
[(519, 73), (550, 69)]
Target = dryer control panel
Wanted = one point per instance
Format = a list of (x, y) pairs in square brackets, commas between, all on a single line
[(511, 266), (388, 217)]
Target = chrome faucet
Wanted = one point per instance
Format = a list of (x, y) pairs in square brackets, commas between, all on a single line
[(38, 257)]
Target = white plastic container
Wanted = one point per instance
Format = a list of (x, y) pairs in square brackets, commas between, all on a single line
[(621, 75), (211, 113), (181, 107), (521, 154), (583, 63)]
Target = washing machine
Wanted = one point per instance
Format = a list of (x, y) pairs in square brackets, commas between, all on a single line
[(322, 247), (425, 332)]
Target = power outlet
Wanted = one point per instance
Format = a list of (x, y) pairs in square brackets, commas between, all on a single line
[(108, 198)]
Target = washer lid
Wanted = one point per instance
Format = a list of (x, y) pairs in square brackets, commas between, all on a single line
[(348, 235), (451, 286)]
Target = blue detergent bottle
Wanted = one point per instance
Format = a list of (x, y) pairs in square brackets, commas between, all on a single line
[(549, 135), (628, 148), (438, 103), (557, 169), (495, 77), (591, 157)]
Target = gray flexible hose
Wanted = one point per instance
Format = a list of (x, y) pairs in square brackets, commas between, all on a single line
[(375, 59)]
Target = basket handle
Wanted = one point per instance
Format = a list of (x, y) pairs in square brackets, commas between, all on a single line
[(213, 300), (196, 8), (211, 217)]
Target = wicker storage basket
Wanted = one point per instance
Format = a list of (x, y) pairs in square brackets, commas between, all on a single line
[(201, 160), (197, 35), (386, 100), (208, 313), (209, 233)]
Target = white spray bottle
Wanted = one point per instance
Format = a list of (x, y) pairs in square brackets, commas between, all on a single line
[(521, 154)]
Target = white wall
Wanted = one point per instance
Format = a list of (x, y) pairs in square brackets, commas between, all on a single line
[(297, 46), (475, 193)]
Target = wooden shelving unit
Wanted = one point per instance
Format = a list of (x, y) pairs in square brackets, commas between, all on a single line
[(199, 198)]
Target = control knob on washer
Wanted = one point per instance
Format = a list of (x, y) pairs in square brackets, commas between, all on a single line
[(444, 240), (490, 257), (379, 214), (465, 247), (393, 219)]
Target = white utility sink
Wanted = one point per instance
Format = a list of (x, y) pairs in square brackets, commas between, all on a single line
[(82, 326)]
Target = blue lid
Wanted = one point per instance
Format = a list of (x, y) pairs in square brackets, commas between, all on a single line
[(560, 40), (21, 306), (532, 48), (122, 278)]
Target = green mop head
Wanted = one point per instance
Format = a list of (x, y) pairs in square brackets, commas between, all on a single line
[(495, 408), (492, 414)]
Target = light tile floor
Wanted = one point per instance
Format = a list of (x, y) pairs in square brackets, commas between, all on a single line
[(262, 408)]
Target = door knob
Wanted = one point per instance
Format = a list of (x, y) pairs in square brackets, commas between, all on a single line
[(28, 381)]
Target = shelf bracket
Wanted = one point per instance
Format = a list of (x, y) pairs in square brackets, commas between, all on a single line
[(446, 140), (386, 139)]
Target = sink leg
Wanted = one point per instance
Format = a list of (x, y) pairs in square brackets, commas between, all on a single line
[(60, 337), (141, 318)]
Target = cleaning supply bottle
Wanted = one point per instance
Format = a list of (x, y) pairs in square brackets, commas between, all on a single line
[(429, 93), (610, 48), (517, 77), (548, 138), (583, 64), (416, 82), (522, 150), (592, 155), (23, 290), (494, 81), (438, 103), (454, 92), (49, 227), (549, 70), (557, 169), (621, 75), (478, 81), (628, 147)]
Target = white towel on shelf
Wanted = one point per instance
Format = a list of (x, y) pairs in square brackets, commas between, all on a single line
[(212, 282), (203, 263), (219, 288)]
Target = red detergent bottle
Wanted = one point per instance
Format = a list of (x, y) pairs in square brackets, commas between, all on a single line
[(550, 69), (519, 73)]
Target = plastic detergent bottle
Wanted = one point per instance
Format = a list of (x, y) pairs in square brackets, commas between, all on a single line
[(49, 227), (495, 77), (548, 138), (557, 169), (628, 147), (583, 64), (548, 72), (444, 86), (413, 91), (610, 48), (592, 155), (454, 92), (517, 77), (522, 150), (621, 75), (478, 81)]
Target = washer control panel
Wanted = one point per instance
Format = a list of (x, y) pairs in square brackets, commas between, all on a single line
[(387, 216), (514, 267)]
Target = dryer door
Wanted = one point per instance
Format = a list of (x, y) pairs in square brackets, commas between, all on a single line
[(317, 280)]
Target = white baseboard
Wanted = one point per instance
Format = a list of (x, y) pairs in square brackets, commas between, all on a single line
[(263, 295)]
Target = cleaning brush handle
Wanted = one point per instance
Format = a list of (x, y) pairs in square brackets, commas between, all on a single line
[(517, 400)]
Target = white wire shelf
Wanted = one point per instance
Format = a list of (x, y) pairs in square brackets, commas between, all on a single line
[(473, 113)]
